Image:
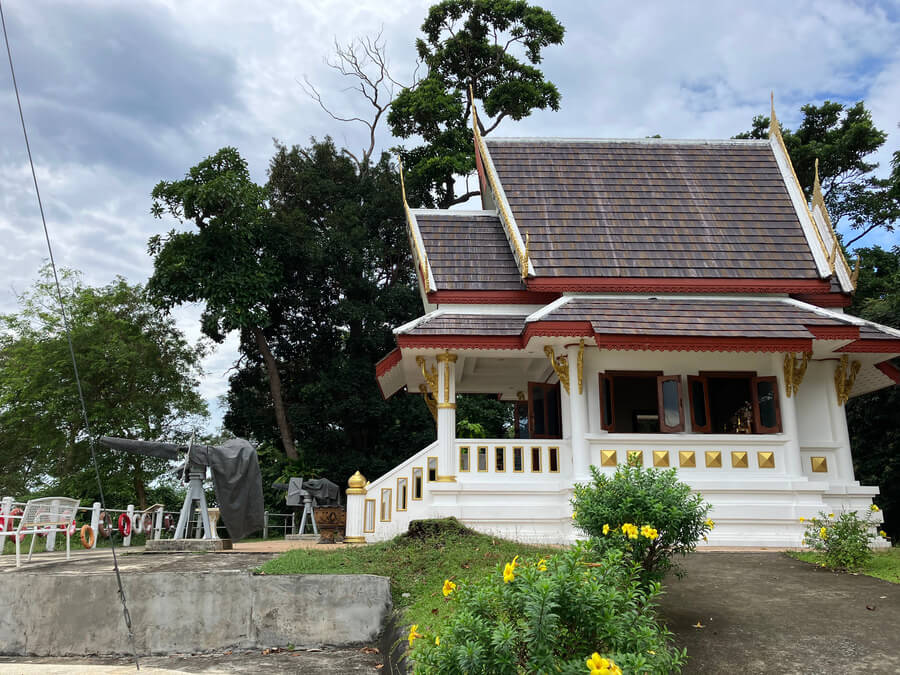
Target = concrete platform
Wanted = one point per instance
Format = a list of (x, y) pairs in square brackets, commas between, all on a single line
[(187, 545)]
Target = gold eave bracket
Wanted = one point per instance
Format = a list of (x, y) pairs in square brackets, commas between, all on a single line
[(844, 376), (560, 366), (794, 370)]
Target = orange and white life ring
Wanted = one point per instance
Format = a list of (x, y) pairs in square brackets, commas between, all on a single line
[(11, 521), (104, 524), (124, 524), (71, 529), (168, 523), (147, 523), (87, 536)]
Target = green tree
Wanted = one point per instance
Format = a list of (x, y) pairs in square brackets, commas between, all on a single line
[(872, 418), (230, 262), (348, 280), (139, 375), (490, 48), (843, 139)]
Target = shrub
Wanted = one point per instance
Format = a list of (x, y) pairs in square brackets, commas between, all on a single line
[(620, 511), (843, 541), (552, 615)]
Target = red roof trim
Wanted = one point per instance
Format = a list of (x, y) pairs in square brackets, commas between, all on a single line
[(387, 364), (890, 370), (845, 332), (702, 344), (667, 285), (491, 297), (868, 346), (460, 341), (824, 299), (557, 329)]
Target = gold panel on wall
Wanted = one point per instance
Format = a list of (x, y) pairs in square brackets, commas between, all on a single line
[(765, 460), (714, 459), (687, 458), (739, 459), (819, 464), (635, 457), (660, 458), (607, 458)]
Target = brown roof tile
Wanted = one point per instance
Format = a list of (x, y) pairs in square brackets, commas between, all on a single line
[(471, 324), (653, 209)]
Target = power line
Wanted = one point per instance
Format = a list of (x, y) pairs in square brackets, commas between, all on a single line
[(62, 307)]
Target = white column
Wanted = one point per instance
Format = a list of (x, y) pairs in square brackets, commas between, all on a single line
[(789, 426), (5, 508), (126, 541), (581, 457), (446, 417), (95, 523), (837, 414), (356, 504)]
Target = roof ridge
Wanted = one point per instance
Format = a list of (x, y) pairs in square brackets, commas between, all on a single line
[(643, 141)]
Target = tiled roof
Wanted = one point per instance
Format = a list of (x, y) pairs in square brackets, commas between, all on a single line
[(471, 324), (693, 318), (653, 209), (468, 252)]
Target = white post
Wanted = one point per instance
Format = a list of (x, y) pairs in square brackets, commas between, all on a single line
[(356, 504), (792, 464), (50, 543), (157, 530), (581, 456), (837, 414), (95, 523), (446, 417), (130, 513), (5, 508), (265, 524)]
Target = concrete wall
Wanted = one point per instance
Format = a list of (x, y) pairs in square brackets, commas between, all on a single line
[(45, 614)]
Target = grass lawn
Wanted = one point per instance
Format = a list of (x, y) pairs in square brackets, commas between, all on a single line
[(417, 565), (883, 565)]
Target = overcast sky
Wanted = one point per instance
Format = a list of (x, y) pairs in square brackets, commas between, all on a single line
[(120, 95)]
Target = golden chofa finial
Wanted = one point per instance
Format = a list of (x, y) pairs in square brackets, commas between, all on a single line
[(773, 121), (402, 183), (474, 112), (854, 278)]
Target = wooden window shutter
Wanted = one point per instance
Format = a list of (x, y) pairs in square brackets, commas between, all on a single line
[(671, 407), (698, 396), (607, 403), (766, 409)]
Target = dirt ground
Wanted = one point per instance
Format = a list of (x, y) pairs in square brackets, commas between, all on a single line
[(767, 613)]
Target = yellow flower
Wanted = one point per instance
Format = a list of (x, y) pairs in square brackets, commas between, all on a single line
[(509, 571), (437, 640), (413, 634), (709, 523), (823, 532), (597, 665), (605, 528), (803, 542), (874, 508), (802, 519), (448, 588), (705, 539), (649, 532), (542, 565), (831, 515), (882, 533), (574, 515), (630, 531)]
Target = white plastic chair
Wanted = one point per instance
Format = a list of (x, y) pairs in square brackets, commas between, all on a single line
[(43, 516)]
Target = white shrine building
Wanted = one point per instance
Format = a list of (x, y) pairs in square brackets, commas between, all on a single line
[(678, 299)]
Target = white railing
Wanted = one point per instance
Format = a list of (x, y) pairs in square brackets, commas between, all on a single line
[(479, 460)]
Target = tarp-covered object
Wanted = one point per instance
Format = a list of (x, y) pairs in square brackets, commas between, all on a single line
[(235, 472), (322, 490)]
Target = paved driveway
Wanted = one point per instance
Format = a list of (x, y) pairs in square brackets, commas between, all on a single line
[(767, 613)]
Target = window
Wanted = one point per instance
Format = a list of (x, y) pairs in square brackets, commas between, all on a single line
[(499, 459), (482, 459), (369, 520), (464, 458), (518, 460), (535, 459), (417, 483), (641, 402), (386, 505), (554, 460), (402, 484), (734, 403), (544, 417), (432, 469)]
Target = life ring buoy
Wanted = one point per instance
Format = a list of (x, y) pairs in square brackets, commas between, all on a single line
[(167, 522), (87, 536), (147, 523), (71, 529), (124, 524), (11, 521), (104, 524), (138, 523)]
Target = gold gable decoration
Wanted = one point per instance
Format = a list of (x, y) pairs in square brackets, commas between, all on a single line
[(818, 199), (421, 256), (844, 377), (794, 370), (560, 366)]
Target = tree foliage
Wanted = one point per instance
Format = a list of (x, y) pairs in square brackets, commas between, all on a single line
[(348, 280), (230, 262), (491, 48), (139, 375), (843, 139)]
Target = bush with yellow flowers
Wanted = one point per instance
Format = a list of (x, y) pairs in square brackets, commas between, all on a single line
[(648, 514), (576, 612), (844, 541)]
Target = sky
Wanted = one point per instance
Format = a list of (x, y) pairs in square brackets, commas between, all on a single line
[(120, 95)]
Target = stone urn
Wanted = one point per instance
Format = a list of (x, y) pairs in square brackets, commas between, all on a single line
[(331, 521)]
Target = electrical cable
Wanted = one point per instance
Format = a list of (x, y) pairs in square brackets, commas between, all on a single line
[(68, 332)]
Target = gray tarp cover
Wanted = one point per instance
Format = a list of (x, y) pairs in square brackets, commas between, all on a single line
[(235, 472), (322, 490)]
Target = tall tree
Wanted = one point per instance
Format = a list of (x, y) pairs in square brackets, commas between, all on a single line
[(348, 281), (489, 48), (230, 262), (139, 376), (843, 139)]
